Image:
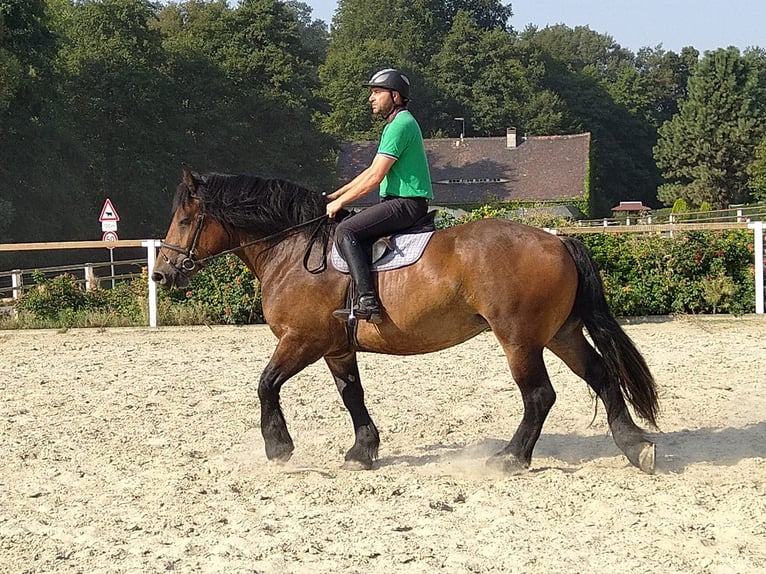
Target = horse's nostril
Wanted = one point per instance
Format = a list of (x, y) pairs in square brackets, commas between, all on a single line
[(158, 277)]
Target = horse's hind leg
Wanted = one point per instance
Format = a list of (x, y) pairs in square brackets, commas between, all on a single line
[(345, 371), (528, 370), (571, 346)]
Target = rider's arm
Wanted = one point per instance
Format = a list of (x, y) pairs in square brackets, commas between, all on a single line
[(361, 185)]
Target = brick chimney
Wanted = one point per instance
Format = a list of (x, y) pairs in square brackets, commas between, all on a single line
[(510, 138)]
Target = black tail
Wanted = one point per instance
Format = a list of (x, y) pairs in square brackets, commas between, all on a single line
[(624, 363)]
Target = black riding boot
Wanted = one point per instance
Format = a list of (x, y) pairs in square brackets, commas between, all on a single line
[(368, 306)]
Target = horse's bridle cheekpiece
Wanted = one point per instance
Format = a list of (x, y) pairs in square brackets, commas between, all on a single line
[(190, 262)]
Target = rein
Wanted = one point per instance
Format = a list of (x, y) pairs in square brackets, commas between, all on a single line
[(190, 261)]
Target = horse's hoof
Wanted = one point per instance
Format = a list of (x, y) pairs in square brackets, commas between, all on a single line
[(646, 458), (279, 455), (507, 464), (642, 455), (357, 465)]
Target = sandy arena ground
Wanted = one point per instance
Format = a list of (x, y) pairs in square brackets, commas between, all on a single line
[(138, 450)]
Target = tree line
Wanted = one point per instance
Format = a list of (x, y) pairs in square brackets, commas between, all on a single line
[(107, 98)]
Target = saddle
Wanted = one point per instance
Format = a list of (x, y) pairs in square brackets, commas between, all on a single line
[(398, 250), (381, 247)]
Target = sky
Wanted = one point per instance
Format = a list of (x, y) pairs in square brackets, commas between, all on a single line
[(704, 24)]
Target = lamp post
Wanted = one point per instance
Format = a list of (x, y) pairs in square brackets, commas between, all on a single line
[(462, 129)]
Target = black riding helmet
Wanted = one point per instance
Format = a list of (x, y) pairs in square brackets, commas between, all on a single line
[(391, 79)]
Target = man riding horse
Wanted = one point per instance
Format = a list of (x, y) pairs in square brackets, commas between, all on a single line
[(400, 169)]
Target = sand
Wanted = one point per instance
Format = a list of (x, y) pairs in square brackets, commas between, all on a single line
[(138, 450)]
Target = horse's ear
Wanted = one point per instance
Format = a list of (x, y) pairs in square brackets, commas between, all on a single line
[(190, 179)]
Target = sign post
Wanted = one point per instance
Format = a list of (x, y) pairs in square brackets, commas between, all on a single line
[(109, 219)]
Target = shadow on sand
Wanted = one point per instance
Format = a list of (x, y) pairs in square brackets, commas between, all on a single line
[(675, 450)]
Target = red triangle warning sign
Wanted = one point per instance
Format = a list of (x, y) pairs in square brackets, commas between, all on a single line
[(108, 213)]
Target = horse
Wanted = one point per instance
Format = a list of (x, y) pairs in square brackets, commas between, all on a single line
[(533, 290)]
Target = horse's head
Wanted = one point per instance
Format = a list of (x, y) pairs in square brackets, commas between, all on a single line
[(191, 238)]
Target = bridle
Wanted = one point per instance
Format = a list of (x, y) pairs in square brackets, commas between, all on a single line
[(190, 262)]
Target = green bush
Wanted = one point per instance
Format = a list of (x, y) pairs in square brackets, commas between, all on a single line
[(680, 206), (54, 300), (485, 212), (62, 301), (693, 272), (226, 290)]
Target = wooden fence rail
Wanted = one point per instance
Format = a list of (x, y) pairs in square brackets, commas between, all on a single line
[(12, 282), (150, 245)]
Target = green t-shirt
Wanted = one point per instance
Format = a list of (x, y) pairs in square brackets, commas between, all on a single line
[(409, 176)]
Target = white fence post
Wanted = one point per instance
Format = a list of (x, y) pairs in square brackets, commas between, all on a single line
[(17, 282), (151, 254), (90, 277), (758, 254)]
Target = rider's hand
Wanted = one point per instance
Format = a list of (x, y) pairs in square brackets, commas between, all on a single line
[(333, 207)]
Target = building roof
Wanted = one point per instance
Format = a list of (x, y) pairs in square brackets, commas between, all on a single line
[(486, 170), (631, 206)]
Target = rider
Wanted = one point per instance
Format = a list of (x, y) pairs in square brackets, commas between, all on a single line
[(400, 168)]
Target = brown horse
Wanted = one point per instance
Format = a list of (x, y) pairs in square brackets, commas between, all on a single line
[(534, 290)]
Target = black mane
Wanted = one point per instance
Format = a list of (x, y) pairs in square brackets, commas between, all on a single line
[(254, 204)]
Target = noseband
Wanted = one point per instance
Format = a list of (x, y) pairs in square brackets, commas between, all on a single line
[(190, 262)]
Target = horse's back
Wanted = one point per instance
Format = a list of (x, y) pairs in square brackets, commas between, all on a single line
[(486, 274), (499, 238), (493, 253)]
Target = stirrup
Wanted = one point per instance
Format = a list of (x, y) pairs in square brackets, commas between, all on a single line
[(369, 308)]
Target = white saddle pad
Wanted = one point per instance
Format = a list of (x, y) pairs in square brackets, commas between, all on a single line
[(407, 249)]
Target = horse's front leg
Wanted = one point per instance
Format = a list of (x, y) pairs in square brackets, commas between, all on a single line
[(345, 371), (289, 358)]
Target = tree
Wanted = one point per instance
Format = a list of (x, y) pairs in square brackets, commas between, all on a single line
[(407, 34), (27, 47), (107, 97), (601, 92), (704, 150), (115, 103), (481, 74), (665, 76), (314, 34), (757, 172), (246, 86)]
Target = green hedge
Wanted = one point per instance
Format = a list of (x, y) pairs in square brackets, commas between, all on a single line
[(692, 272), (61, 301), (226, 290)]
